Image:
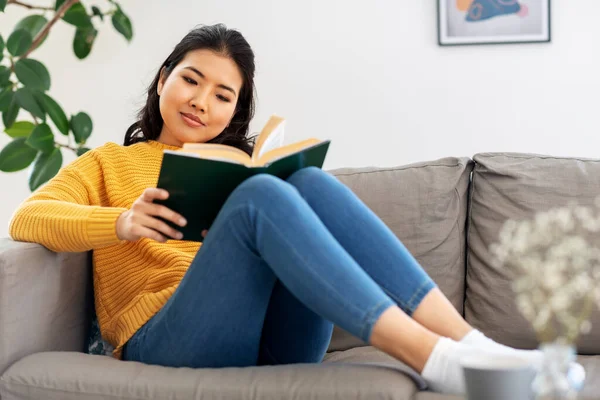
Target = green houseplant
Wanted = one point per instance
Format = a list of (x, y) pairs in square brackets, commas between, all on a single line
[(38, 126)]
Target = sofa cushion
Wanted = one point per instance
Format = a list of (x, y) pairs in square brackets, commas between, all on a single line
[(516, 186), (425, 205), (436, 396), (43, 300), (65, 376)]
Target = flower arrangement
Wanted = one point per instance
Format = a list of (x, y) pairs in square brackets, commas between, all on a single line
[(555, 259)]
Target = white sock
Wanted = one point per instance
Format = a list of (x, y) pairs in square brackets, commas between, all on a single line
[(443, 372), (477, 339)]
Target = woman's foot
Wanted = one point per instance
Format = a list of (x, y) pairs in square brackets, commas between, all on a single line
[(477, 339), (443, 371)]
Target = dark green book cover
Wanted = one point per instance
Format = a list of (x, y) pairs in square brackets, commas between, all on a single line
[(199, 187)]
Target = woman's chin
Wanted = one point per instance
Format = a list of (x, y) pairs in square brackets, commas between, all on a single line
[(194, 137)]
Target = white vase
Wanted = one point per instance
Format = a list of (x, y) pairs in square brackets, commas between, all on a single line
[(554, 381)]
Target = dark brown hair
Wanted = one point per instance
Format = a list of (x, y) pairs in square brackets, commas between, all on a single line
[(221, 40)]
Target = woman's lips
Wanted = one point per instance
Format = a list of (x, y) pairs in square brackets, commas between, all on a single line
[(191, 120)]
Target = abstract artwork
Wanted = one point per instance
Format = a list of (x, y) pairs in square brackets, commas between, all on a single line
[(493, 21)]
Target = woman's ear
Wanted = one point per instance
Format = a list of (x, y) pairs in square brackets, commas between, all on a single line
[(161, 81)]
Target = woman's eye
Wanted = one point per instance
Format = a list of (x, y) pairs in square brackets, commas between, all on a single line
[(189, 80), (223, 98)]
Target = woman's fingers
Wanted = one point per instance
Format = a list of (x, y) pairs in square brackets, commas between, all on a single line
[(142, 231), (159, 210), (161, 227)]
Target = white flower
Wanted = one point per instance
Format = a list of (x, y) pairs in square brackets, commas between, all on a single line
[(542, 318), (585, 327), (560, 301), (555, 258), (582, 283), (553, 281), (525, 305), (565, 219)]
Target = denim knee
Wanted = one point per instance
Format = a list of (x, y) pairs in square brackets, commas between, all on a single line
[(307, 178), (263, 187), (307, 173)]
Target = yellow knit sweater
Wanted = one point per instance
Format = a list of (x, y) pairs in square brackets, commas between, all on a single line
[(77, 211)]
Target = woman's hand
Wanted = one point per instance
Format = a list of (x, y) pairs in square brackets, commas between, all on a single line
[(140, 220)]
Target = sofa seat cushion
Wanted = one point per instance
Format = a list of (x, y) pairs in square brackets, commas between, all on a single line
[(516, 186), (436, 396), (425, 205), (362, 373)]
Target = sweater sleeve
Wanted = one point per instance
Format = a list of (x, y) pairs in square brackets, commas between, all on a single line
[(69, 213)]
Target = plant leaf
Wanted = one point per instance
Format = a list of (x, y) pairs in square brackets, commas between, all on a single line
[(81, 125), (6, 97), (19, 42), (3, 5), (122, 24), (12, 112), (45, 167), (16, 155), (33, 24), (41, 138), (54, 110), (32, 74), (26, 100), (96, 11), (20, 129), (83, 41), (82, 150), (77, 15), (1, 47), (4, 76)]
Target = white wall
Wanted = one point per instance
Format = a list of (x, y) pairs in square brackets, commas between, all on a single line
[(367, 74)]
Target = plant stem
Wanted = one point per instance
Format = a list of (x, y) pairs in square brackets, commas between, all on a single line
[(40, 36), (65, 146), (29, 6), (35, 120), (12, 63)]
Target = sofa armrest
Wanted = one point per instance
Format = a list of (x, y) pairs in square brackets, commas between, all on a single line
[(44, 300)]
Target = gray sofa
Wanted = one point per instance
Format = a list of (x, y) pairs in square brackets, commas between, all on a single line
[(447, 212)]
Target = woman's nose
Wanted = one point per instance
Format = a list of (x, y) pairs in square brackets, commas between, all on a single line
[(199, 102)]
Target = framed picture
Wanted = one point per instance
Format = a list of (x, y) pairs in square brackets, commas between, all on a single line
[(493, 21)]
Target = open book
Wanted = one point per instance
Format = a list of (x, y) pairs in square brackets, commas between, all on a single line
[(200, 176), (268, 148)]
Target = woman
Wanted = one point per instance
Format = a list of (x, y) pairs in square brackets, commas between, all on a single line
[(282, 263)]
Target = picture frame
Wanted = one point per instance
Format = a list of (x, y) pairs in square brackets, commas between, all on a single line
[(475, 22)]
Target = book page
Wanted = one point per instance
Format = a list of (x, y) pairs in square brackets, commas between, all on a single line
[(281, 152), (275, 140), (219, 152), (270, 137), (214, 146)]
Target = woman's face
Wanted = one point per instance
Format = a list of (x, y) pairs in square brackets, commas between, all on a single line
[(198, 99)]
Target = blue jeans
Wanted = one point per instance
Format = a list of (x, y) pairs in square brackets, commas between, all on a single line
[(282, 263)]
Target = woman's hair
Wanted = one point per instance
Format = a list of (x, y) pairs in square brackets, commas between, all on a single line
[(223, 41)]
